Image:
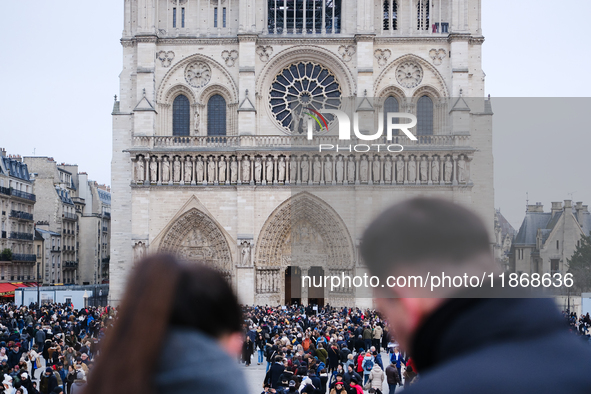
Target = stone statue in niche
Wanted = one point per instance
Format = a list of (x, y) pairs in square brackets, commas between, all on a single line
[(316, 170), (199, 176), (233, 170), (339, 169), (153, 170), (435, 169), (196, 122), (245, 252), (176, 170), (165, 170), (210, 170), (363, 169), (462, 170), (269, 169), (387, 170), (245, 169), (222, 165), (139, 251), (293, 170), (448, 169), (399, 170), (140, 169), (412, 170), (424, 169), (328, 170), (376, 173), (351, 170), (188, 170), (258, 169), (305, 169), (281, 169)]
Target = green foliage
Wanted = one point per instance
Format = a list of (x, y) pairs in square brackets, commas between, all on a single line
[(6, 255), (580, 265)]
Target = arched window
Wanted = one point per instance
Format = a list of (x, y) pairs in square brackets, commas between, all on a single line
[(181, 115), (390, 105), (390, 16), (216, 115), (425, 116)]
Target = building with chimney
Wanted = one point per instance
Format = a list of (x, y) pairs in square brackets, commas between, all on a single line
[(547, 239)]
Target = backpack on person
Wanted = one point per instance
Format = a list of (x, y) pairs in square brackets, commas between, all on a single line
[(368, 365)]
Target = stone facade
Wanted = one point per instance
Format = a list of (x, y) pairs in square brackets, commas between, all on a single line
[(95, 231), (55, 212), (547, 239), (17, 203), (236, 185)]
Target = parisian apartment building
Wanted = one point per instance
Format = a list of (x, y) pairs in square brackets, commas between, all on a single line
[(17, 203), (72, 223)]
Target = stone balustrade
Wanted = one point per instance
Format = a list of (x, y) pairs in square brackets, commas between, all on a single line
[(289, 142), (441, 167)]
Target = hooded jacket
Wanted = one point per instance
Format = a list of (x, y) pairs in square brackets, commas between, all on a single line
[(193, 362), (376, 376)]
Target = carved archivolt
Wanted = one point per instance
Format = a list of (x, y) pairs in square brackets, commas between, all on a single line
[(304, 231), (196, 237)]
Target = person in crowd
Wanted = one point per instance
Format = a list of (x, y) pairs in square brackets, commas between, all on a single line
[(247, 350), (339, 388), (48, 381), (517, 337), (178, 331), (397, 358), (260, 346), (392, 377), (376, 378)]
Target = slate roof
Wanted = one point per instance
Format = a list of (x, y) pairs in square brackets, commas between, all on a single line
[(64, 195), (16, 168), (529, 227)]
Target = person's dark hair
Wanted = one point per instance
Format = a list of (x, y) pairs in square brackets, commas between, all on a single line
[(423, 229), (161, 292)]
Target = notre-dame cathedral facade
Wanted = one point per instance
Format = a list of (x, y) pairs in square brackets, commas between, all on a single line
[(211, 159)]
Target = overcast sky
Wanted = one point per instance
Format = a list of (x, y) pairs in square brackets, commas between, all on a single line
[(61, 62)]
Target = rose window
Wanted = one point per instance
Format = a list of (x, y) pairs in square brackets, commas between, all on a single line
[(198, 74), (300, 88)]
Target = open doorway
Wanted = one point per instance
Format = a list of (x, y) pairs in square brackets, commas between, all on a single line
[(293, 286), (316, 294)]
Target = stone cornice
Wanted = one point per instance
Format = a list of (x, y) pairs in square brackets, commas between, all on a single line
[(364, 37), (304, 39), (247, 37), (416, 39)]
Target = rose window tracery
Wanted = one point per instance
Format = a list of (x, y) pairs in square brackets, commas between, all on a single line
[(409, 74), (300, 87), (198, 74)]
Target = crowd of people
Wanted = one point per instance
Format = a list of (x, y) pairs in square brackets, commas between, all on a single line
[(335, 351), (50, 348)]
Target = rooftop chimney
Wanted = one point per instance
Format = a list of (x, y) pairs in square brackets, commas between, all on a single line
[(556, 207), (568, 204), (3, 152), (535, 208)]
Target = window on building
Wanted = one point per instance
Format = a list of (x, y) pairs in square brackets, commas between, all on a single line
[(224, 17), (557, 245), (181, 115), (216, 115), (298, 16), (554, 263), (390, 105), (390, 15), (425, 116), (215, 17), (423, 15), (174, 17), (183, 17)]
